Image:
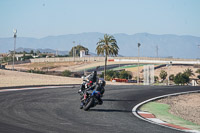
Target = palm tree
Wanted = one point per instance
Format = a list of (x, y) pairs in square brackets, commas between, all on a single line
[(198, 71), (189, 72), (107, 46)]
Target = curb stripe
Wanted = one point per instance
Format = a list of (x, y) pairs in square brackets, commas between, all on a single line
[(145, 115), (156, 120), (175, 126)]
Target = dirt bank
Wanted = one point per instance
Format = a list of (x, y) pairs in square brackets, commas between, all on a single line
[(185, 106)]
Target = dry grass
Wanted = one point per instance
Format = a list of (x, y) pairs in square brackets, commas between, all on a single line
[(13, 78), (44, 65)]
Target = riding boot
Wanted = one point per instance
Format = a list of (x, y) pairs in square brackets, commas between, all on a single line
[(81, 106), (100, 101)]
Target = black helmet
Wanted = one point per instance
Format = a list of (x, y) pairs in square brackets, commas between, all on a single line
[(102, 82), (93, 76)]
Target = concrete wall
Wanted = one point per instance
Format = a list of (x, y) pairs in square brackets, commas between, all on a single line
[(146, 60), (65, 59)]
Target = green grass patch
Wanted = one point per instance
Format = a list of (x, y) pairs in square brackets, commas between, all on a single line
[(161, 111), (124, 67)]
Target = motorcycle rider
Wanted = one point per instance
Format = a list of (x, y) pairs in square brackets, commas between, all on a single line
[(93, 85)]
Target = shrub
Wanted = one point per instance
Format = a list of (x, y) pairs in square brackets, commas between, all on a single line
[(108, 78), (181, 78), (125, 75), (66, 73), (156, 78), (171, 77), (163, 75), (198, 71), (36, 71), (115, 74), (112, 74)]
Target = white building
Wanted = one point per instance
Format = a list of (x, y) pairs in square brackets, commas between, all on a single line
[(84, 53)]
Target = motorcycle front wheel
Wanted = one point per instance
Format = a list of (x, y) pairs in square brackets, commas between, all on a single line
[(89, 104)]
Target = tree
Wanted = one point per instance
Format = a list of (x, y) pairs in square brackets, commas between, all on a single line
[(107, 46), (198, 71), (38, 52), (112, 74), (77, 50), (156, 78), (181, 78), (115, 74), (125, 75), (171, 77), (189, 72), (32, 52), (163, 74)]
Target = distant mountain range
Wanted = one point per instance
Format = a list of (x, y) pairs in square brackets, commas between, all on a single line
[(20, 49), (151, 45), (58, 52)]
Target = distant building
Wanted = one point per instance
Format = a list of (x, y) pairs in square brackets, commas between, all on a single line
[(84, 53), (20, 56), (3, 55)]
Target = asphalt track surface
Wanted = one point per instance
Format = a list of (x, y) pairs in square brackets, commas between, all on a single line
[(57, 110)]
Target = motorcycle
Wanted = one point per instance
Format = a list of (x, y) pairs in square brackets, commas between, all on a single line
[(89, 97)]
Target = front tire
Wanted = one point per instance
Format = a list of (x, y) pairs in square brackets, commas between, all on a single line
[(87, 106)]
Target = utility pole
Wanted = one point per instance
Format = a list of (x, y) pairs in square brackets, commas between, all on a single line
[(73, 50), (138, 79), (197, 55), (157, 51), (199, 48), (168, 66), (15, 36)]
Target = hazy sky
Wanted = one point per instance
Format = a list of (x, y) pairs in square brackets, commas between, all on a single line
[(40, 18)]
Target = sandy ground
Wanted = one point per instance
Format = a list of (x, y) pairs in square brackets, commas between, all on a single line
[(176, 69), (13, 78), (59, 66), (77, 66), (185, 106), (171, 70), (51, 66)]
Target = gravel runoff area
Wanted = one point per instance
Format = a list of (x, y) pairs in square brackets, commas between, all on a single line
[(185, 106)]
